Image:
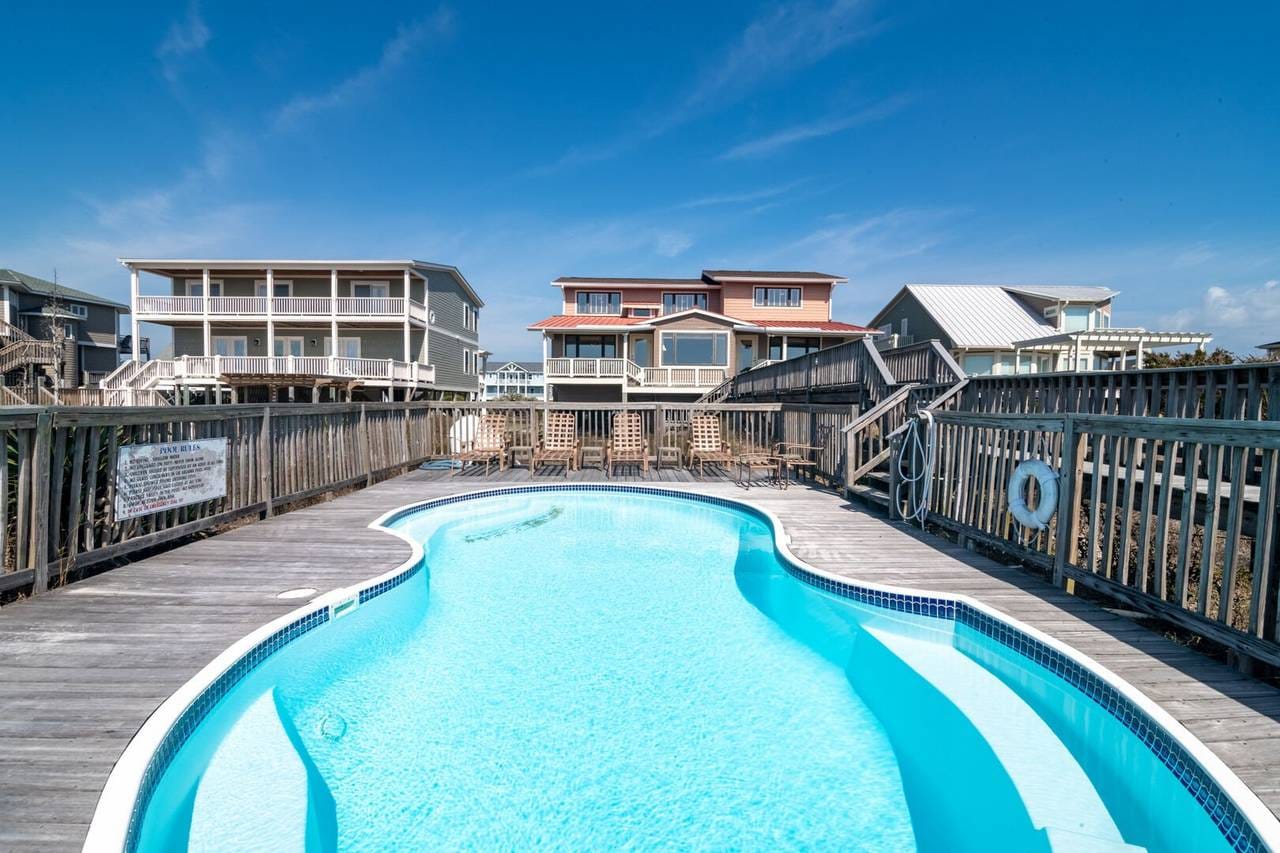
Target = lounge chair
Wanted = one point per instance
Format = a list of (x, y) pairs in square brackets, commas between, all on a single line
[(706, 444), (559, 442), (627, 443), (489, 443)]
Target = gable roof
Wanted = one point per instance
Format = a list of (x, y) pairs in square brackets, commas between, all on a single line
[(629, 282), (978, 315), (526, 366), (40, 286)]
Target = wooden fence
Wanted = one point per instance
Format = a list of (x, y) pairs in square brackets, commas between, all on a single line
[(1175, 516), (58, 486), (1231, 392)]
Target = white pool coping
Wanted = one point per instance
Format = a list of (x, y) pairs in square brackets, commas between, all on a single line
[(109, 828)]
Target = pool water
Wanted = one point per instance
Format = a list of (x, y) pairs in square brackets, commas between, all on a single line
[(593, 670)]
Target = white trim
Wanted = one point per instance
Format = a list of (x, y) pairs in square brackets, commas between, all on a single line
[(329, 348), (370, 283), (110, 824), (213, 343), (187, 282), (577, 312), (768, 307), (274, 282), (728, 356), (278, 339)]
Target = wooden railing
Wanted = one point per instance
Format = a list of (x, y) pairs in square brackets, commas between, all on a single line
[(926, 362), (849, 367), (58, 478), (867, 438), (1232, 392), (1174, 516)]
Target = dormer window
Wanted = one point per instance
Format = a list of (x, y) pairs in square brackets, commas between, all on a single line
[(599, 302), (777, 297)]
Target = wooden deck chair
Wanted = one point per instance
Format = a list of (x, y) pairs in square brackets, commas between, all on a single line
[(559, 442), (706, 444), (627, 444), (489, 443)]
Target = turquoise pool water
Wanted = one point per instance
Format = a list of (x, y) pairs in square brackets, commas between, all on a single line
[(591, 670)]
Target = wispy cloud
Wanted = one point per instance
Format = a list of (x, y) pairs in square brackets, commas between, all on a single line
[(863, 243), (394, 53), (780, 42), (775, 142), (787, 38), (183, 39), (746, 197)]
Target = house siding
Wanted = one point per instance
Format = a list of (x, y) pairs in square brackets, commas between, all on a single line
[(445, 300), (815, 302), (920, 323)]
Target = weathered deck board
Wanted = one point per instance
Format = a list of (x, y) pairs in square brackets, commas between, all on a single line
[(82, 667)]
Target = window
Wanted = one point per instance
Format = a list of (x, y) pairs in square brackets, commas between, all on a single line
[(590, 346), (777, 297), (278, 287), (597, 302), (1075, 318), (673, 302), (470, 317), (695, 348), (468, 361), (981, 364), (68, 330), (347, 347), (641, 351), (642, 312), (230, 345), (370, 289), (904, 327), (195, 287), (78, 310), (288, 345)]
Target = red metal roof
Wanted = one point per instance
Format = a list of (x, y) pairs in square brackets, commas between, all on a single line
[(572, 321), (819, 325), (588, 321)]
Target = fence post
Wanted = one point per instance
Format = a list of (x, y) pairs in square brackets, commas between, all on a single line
[(895, 462), (40, 503), (365, 454), (1066, 545), (266, 476), (659, 433)]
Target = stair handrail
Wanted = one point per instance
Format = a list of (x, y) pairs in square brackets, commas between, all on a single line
[(867, 437)]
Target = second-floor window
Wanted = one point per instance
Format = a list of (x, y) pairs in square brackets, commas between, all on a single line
[(470, 317), (599, 302), (78, 310), (195, 287), (673, 302), (777, 297)]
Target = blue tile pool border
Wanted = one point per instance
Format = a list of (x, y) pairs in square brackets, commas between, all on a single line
[(1238, 832)]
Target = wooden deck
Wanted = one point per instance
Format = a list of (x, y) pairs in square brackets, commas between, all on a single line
[(83, 666)]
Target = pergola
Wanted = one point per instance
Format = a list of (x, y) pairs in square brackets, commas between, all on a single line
[(1119, 342)]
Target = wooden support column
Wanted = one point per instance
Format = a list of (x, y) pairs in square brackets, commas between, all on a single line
[(333, 314), (271, 323), (265, 474), (406, 317), (40, 503), (134, 323)]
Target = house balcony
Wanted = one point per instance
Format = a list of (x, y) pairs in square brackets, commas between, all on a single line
[(345, 308), (623, 371)]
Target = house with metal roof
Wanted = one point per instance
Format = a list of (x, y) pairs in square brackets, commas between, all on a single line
[(332, 329), (676, 338), (50, 332), (1006, 329), (1272, 350)]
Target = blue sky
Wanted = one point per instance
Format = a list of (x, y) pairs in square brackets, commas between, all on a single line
[(1127, 144)]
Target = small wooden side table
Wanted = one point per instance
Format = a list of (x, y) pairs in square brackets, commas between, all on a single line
[(749, 463)]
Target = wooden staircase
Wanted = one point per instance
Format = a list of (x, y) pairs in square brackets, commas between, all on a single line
[(20, 351)]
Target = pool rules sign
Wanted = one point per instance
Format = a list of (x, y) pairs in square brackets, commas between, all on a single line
[(155, 477)]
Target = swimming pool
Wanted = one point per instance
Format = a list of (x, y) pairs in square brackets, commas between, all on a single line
[(602, 667)]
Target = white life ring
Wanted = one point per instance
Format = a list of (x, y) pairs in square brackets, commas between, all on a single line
[(1047, 479)]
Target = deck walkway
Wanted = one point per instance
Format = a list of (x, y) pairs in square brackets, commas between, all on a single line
[(83, 666)]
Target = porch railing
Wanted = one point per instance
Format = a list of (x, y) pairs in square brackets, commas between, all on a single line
[(1175, 516), (321, 306)]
